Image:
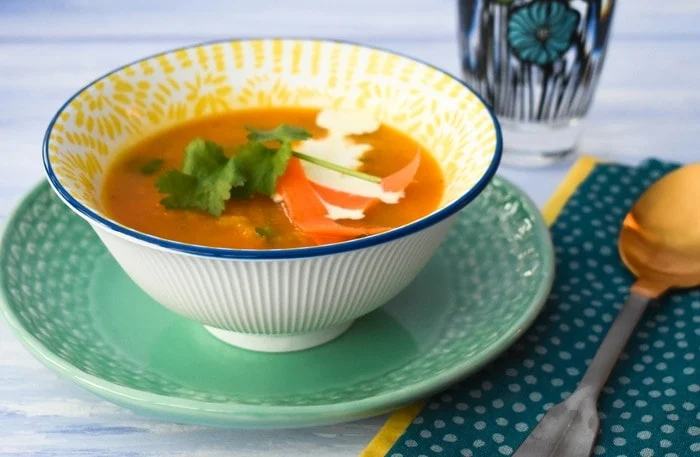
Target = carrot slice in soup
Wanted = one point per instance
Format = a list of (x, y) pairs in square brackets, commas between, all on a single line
[(343, 199), (306, 209), (398, 181), (395, 182)]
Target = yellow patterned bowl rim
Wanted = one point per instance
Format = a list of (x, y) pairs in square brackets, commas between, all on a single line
[(433, 218)]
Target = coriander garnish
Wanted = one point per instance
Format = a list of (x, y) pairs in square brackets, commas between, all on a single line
[(205, 181), (265, 232), (151, 166), (209, 178)]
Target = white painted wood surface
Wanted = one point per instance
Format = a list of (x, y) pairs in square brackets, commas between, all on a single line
[(648, 104)]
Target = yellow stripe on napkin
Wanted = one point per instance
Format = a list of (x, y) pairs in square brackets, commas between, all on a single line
[(578, 173), (391, 431), (401, 419)]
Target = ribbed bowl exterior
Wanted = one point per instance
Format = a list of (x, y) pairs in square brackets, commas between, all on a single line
[(276, 296)]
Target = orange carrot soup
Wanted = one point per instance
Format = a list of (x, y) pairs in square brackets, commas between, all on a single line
[(272, 179)]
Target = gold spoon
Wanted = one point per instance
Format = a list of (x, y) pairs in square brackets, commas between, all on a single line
[(660, 244)]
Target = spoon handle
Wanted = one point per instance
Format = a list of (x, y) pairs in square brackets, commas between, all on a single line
[(613, 344), (569, 429)]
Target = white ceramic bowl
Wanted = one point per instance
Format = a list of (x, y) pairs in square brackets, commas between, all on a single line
[(272, 300)]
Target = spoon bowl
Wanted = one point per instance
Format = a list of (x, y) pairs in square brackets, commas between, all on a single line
[(660, 237)]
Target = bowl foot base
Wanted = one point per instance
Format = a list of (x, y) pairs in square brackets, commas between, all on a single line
[(279, 343)]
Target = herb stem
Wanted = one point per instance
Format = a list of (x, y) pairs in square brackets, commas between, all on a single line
[(338, 168)]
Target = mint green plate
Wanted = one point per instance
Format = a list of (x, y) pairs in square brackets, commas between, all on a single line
[(73, 307)]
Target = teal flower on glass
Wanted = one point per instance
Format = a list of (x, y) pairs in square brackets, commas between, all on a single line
[(541, 31)]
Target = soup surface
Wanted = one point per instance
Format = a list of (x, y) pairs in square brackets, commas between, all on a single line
[(131, 197)]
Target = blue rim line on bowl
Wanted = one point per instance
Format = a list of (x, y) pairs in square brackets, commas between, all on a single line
[(276, 254)]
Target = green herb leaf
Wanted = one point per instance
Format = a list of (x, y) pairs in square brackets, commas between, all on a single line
[(265, 232), (283, 133), (205, 181), (262, 167), (151, 166), (181, 187)]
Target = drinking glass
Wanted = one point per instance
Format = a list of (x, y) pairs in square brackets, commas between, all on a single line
[(537, 63)]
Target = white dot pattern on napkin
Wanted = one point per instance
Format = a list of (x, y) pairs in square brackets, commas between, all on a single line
[(649, 404)]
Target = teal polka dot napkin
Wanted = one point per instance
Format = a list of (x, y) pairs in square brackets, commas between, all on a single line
[(651, 404)]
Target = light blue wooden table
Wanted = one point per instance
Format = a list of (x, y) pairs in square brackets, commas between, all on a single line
[(648, 104)]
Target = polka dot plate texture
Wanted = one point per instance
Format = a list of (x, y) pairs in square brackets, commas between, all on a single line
[(651, 404), (74, 308)]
